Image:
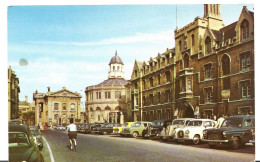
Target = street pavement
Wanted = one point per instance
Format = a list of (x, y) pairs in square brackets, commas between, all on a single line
[(116, 148)]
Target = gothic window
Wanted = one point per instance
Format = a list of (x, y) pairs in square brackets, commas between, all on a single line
[(192, 40), (151, 99), (226, 83), (208, 95), (207, 46), (245, 89), (186, 61), (168, 76), (151, 82), (72, 107), (56, 106), (168, 95), (225, 65), (159, 97), (180, 46), (159, 79), (208, 71), (244, 30), (245, 62)]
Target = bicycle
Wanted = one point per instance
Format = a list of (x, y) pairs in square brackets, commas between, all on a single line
[(73, 146)]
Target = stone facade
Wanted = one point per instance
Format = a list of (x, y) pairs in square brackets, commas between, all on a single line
[(105, 102), (27, 111), (57, 108), (211, 71), (13, 95)]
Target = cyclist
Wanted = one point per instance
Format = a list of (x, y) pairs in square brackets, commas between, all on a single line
[(72, 132)]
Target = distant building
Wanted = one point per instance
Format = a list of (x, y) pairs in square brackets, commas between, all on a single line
[(57, 108), (27, 111), (13, 95), (105, 102), (209, 73)]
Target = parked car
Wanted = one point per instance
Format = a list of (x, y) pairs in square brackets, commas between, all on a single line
[(194, 130), (108, 128), (234, 131), (95, 127), (21, 145), (168, 133), (118, 130), (59, 127), (84, 128), (136, 129), (37, 136), (156, 128)]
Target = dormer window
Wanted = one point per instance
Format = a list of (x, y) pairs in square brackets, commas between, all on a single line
[(244, 30), (207, 46)]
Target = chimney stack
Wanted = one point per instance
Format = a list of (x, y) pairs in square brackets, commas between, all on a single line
[(49, 89)]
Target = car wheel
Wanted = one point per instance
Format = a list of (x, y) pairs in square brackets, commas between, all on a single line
[(196, 139), (235, 143), (135, 134)]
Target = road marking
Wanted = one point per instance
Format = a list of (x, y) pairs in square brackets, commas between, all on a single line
[(51, 155)]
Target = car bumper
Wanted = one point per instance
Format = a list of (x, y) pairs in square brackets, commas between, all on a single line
[(215, 141)]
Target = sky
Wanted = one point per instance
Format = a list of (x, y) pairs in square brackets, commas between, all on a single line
[(71, 46)]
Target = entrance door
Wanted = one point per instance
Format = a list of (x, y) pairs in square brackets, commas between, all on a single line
[(188, 112)]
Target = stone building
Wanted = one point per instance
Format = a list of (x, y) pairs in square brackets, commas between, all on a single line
[(57, 108), (105, 102), (209, 73), (27, 111), (152, 88), (13, 95)]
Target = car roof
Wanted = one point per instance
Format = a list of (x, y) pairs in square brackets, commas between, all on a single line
[(242, 116), (201, 120), (18, 128)]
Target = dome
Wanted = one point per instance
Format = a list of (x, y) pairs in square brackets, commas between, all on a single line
[(116, 60)]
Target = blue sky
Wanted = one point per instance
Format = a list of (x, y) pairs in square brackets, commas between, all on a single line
[(71, 46)]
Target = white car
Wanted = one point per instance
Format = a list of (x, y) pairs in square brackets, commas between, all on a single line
[(176, 123), (194, 130)]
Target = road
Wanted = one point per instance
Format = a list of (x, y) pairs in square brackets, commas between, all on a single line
[(116, 148)]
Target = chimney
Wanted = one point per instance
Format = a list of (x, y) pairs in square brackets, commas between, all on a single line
[(49, 89)]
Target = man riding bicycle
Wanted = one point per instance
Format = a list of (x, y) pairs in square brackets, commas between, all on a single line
[(72, 132)]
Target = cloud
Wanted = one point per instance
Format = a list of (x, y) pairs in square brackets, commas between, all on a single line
[(137, 38)]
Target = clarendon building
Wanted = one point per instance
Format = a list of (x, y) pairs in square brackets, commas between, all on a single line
[(105, 102), (57, 108), (209, 73), (13, 95)]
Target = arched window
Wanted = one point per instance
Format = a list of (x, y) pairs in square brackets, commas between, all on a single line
[(186, 61), (64, 106), (180, 46), (207, 46), (225, 65), (98, 108), (192, 40), (244, 30)]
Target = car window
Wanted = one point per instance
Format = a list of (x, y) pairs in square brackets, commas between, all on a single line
[(232, 122), (207, 124), (195, 123), (180, 122), (187, 122), (33, 132), (18, 139), (249, 123)]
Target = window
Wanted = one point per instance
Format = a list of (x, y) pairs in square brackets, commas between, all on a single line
[(159, 79), (118, 69), (245, 61), (183, 86), (136, 101), (207, 46), (208, 95), (192, 40), (159, 114), (168, 76), (168, 95), (244, 30), (225, 65), (151, 99), (98, 94), (226, 83), (56, 106), (135, 73), (107, 95), (151, 82), (144, 84), (186, 61), (118, 94), (144, 103), (245, 89), (179, 46), (208, 71), (72, 107), (135, 85), (159, 97)]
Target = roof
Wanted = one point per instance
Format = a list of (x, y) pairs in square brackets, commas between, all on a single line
[(116, 60), (111, 81), (228, 31)]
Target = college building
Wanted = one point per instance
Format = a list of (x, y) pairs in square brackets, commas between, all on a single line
[(209, 72)]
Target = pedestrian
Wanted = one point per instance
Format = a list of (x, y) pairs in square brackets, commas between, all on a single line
[(220, 121)]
